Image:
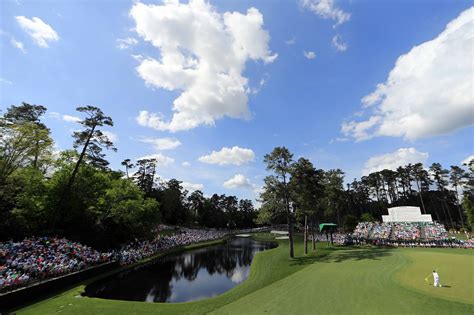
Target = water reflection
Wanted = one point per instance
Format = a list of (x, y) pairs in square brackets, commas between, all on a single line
[(190, 276)]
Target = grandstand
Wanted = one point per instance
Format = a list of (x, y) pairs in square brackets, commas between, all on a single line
[(402, 223), (406, 214)]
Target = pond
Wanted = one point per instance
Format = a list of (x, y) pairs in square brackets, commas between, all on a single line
[(188, 276)]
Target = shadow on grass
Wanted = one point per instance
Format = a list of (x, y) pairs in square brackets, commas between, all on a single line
[(341, 254)]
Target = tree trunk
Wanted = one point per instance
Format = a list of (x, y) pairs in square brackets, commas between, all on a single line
[(306, 235), (288, 218), (35, 160), (290, 232), (449, 213), (435, 209), (421, 197), (459, 207), (76, 169)]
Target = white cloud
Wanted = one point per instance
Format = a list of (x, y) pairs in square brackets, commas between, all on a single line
[(39, 31), (360, 130), (124, 43), (161, 144), (112, 136), (70, 118), (309, 54), (392, 160), (338, 43), (17, 44), (226, 156), (161, 160), (203, 55), (238, 181), (186, 164), (192, 186), (67, 118), (428, 92), (327, 10), (467, 160)]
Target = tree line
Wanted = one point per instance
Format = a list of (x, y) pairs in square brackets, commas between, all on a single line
[(299, 194), (74, 193)]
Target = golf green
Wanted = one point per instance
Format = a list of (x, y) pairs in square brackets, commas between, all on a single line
[(340, 280)]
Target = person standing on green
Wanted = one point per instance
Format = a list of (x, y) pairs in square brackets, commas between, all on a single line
[(436, 279)]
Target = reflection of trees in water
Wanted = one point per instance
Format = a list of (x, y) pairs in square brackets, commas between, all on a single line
[(152, 282), (222, 259)]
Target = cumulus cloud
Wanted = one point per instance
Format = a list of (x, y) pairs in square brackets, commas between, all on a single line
[(339, 44), (125, 43), (161, 144), (428, 92), (70, 118), (186, 164), (238, 181), (192, 186), (309, 54), (161, 160), (229, 156), (326, 9), (39, 31), (393, 160), (202, 55), (67, 118)]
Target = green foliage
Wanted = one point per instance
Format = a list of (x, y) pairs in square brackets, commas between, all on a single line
[(123, 212), (469, 209), (21, 145), (349, 223), (30, 201), (367, 217), (306, 187)]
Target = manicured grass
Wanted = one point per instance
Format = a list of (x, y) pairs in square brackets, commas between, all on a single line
[(330, 281)]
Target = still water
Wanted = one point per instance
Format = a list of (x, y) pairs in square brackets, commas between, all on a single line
[(189, 276)]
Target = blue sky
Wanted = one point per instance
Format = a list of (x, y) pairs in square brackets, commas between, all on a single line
[(287, 73)]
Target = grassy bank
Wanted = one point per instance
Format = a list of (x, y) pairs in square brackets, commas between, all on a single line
[(328, 281)]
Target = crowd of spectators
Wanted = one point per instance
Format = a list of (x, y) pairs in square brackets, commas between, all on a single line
[(40, 258), (139, 250), (338, 238), (407, 231), (448, 243), (435, 231), (405, 234), (363, 229), (381, 231)]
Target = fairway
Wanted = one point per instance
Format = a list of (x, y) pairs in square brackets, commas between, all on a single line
[(342, 280)]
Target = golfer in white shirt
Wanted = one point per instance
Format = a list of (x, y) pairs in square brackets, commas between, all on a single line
[(436, 279)]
